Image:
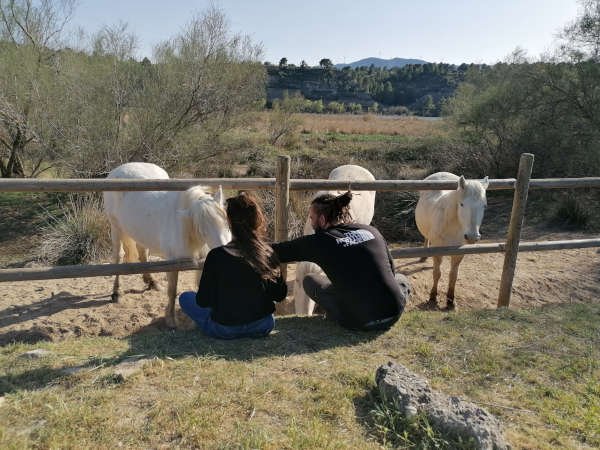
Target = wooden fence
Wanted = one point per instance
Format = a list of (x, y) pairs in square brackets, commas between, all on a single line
[(283, 185)]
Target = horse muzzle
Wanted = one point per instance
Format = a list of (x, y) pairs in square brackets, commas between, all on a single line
[(472, 239)]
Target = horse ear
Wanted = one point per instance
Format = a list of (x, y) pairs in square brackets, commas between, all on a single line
[(461, 182), (184, 213), (485, 183), (218, 196)]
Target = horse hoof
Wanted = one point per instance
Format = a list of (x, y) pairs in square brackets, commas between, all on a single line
[(431, 305), (114, 298), (450, 306), (153, 286), (170, 322)]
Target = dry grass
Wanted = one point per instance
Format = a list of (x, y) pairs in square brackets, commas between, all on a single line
[(79, 234), (366, 124), (372, 124), (309, 385)]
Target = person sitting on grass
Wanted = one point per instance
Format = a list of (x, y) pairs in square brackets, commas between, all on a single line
[(360, 291), (240, 281)]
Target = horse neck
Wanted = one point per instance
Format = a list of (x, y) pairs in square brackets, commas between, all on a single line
[(449, 209)]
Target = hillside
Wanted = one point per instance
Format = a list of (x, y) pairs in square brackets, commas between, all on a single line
[(379, 62), (412, 89)]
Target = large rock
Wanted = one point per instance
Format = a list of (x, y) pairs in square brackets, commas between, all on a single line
[(450, 415)]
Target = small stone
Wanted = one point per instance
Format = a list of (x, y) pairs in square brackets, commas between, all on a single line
[(129, 367), (410, 411), (37, 353), (73, 370)]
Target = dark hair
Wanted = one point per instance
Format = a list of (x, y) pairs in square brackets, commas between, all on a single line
[(249, 230), (336, 209)]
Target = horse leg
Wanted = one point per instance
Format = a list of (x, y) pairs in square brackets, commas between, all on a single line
[(302, 302), (116, 258), (425, 245), (171, 294), (143, 254), (452, 280), (437, 273)]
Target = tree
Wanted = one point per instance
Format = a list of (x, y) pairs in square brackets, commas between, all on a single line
[(283, 120), (94, 110), (303, 65), (30, 31), (283, 62), (326, 64), (581, 39), (205, 76)]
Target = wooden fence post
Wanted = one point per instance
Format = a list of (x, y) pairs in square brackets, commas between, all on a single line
[(514, 229), (282, 202)]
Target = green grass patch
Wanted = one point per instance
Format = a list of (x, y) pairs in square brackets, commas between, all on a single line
[(309, 385)]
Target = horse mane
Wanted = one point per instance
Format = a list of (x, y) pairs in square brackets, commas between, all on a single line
[(204, 212)]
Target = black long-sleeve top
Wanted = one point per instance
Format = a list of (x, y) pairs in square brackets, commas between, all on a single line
[(358, 263), (235, 291)]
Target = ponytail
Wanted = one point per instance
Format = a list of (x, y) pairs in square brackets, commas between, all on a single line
[(336, 209), (248, 227)]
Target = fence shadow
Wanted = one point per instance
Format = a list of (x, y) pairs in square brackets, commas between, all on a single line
[(46, 307)]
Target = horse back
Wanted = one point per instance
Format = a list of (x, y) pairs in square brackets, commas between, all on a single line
[(144, 216)]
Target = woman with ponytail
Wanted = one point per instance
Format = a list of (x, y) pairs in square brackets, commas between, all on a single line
[(361, 290), (240, 280)]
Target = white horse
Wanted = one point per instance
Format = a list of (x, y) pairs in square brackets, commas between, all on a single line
[(171, 224), (448, 218), (362, 208)]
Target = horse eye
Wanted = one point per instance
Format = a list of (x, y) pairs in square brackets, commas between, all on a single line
[(461, 205)]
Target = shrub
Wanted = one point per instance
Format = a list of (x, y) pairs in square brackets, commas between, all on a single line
[(572, 212), (79, 236)]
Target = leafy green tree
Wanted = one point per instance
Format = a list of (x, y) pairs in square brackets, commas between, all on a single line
[(283, 119), (326, 64), (355, 108), (283, 62), (335, 108)]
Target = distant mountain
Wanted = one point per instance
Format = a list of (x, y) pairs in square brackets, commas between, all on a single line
[(378, 62)]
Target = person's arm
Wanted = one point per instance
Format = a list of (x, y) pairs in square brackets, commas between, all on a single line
[(304, 248), (206, 296), (276, 290)]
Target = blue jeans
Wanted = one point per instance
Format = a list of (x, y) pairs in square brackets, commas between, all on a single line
[(202, 317)]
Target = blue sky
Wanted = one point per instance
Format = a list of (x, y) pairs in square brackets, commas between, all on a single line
[(453, 31)]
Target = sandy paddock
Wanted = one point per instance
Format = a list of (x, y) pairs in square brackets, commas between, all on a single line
[(54, 309)]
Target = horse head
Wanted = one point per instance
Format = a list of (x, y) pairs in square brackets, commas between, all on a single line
[(471, 204)]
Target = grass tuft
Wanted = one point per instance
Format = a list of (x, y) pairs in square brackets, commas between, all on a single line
[(80, 235)]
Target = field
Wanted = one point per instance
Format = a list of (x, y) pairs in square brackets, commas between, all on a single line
[(310, 384)]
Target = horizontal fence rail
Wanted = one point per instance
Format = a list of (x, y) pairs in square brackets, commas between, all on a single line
[(496, 247), (101, 270), (98, 270), (175, 184), (103, 184)]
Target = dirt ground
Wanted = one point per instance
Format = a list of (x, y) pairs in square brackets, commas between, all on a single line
[(55, 309)]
